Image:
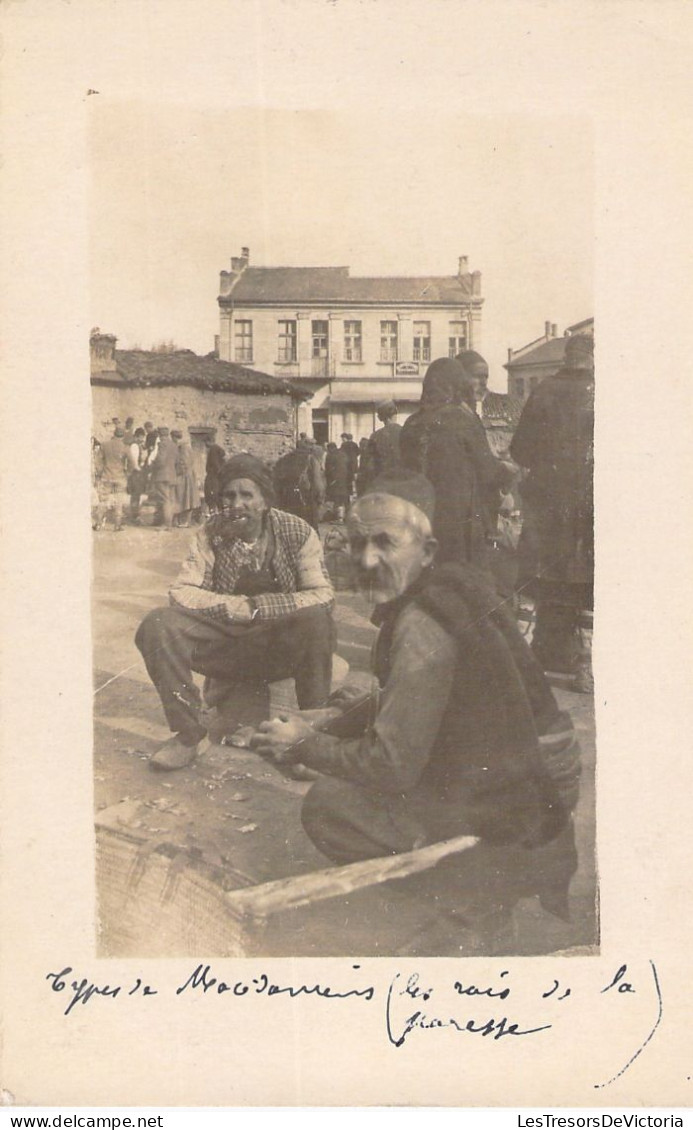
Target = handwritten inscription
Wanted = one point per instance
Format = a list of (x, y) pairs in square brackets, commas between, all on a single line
[(491, 1010)]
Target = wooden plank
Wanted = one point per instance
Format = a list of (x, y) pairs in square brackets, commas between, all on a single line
[(301, 890)]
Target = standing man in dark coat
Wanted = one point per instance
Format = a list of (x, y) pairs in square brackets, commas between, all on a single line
[(554, 441), (337, 478), (382, 450), (351, 450), (299, 483), (164, 479), (445, 441)]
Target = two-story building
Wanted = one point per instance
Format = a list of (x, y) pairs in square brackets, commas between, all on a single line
[(353, 341)]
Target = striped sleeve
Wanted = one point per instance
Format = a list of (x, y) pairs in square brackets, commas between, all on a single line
[(193, 586)]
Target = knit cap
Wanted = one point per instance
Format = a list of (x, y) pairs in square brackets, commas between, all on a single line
[(247, 466)]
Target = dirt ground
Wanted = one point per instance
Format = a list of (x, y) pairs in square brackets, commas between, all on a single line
[(233, 819)]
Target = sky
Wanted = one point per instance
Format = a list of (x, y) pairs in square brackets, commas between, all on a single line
[(176, 190)]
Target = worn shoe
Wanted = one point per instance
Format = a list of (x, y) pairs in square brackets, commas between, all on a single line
[(174, 755)]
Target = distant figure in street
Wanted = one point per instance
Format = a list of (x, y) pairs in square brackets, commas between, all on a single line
[(337, 477), (164, 479), (187, 496), (129, 434), (137, 475), (252, 603), (445, 441), (352, 452), (216, 456), (383, 448), (363, 466), (96, 468), (112, 483), (307, 442), (150, 442), (554, 441), (299, 483)]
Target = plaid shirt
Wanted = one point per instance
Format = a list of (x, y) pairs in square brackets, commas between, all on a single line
[(208, 577)]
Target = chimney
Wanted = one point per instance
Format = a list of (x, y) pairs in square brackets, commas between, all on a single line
[(554, 329), (228, 279), (102, 351), (476, 282), (510, 354), (239, 265), (463, 268)]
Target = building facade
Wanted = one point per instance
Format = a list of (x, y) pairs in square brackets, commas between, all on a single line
[(527, 366), (352, 341)]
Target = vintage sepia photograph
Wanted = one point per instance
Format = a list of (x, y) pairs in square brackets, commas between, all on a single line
[(342, 387), (345, 688)]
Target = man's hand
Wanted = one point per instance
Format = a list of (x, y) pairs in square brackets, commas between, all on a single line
[(238, 609), (281, 738)]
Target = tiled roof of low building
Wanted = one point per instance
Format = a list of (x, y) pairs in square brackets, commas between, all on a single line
[(502, 408), (141, 368), (295, 285)]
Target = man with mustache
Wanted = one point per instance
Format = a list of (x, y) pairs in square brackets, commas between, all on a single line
[(252, 603), (448, 745)]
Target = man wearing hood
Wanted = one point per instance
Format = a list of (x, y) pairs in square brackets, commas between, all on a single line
[(445, 441), (252, 603)]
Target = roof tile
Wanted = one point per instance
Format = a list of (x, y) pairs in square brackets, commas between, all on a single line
[(142, 368)]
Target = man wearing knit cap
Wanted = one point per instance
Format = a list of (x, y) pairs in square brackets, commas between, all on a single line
[(554, 441), (382, 451), (252, 603), (448, 745)]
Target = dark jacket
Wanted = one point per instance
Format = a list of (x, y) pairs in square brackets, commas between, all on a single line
[(216, 457), (337, 476), (448, 445), (485, 773), (382, 453), (554, 441)]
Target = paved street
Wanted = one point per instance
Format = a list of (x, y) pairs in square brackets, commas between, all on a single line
[(236, 818)]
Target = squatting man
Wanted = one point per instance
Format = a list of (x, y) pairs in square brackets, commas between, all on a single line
[(252, 603), (447, 745)]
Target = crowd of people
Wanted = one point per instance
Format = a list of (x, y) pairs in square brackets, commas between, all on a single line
[(463, 734), (144, 462)]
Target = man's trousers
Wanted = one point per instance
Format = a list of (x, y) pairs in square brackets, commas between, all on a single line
[(175, 642), (347, 823)]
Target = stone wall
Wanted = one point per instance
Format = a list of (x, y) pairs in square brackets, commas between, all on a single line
[(264, 424)]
